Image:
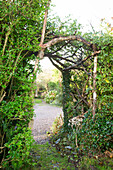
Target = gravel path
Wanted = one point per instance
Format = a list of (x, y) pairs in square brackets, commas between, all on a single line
[(41, 124)]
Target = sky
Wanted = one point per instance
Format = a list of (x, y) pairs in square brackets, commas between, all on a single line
[(46, 64), (85, 11)]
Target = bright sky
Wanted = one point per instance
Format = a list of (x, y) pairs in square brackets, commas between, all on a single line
[(46, 64), (85, 11)]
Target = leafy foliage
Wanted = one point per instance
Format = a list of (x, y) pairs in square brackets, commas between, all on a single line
[(18, 45), (50, 96), (95, 134)]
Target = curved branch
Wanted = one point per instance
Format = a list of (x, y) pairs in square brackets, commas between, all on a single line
[(63, 65), (45, 22), (60, 39), (50, 56), (41, 52), (60, 48)]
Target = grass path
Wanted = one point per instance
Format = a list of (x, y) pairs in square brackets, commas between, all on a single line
[(47, 158)]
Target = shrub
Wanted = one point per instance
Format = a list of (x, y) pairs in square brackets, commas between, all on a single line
[(18, 46), (50, 96), (97, 133), (52, 85), (16, 136)]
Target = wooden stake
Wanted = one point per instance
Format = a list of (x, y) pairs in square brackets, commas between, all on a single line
[(94, 84), (41, 52)]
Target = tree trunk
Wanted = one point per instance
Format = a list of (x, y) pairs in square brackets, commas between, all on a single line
[(66, 96)]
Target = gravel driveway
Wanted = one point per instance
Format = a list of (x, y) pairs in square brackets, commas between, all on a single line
[(45, 116)]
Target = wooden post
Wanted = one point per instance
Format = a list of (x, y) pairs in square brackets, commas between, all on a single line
[(41, 52), (94, 83)]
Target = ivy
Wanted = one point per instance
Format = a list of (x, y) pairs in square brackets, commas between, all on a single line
[(66, 96)]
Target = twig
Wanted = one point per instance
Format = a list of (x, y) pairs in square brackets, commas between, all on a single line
[(82, 61), (6, 39), (80, 94), (2, 97), (59, 68)]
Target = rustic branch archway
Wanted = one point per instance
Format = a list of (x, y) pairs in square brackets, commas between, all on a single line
[(78, 60)]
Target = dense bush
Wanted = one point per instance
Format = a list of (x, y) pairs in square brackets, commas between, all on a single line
[(20, 34), (52, 85), (94, 135)]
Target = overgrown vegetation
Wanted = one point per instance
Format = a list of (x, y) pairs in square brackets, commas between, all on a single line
[(47, 157), (86, 64), (19, 36), (93, 135)]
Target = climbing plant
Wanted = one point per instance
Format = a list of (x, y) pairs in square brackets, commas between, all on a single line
[(66, 96)]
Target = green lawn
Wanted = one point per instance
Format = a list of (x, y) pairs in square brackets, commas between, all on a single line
[(37, 100)]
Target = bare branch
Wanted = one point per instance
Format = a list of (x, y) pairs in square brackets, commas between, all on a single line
[(60, 47), (2, 97), (59, 68), (62, 58), (80, 94), (60, 39), (94, 83), (77, 104), (82, 61), (6, 39), (87, 72), (41, 52), (44, 24), (63, 65), (49, 55)]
